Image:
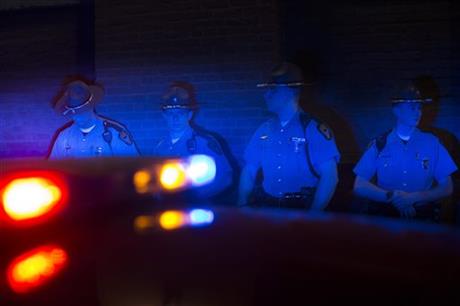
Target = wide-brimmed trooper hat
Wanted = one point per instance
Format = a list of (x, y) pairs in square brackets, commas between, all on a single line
[(284, 74), (78, 96), (179, 96), (409, 93)]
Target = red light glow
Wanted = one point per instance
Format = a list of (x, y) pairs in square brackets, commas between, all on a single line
[(36, 268), (31, 197)]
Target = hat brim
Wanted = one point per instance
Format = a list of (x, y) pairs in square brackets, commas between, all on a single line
[(96, 91), (176, 106), (423, 101), (290, 84)]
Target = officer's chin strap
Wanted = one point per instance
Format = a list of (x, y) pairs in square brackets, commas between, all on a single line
[(74, 109)]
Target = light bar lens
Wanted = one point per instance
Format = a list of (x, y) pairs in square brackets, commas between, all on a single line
[(197, 170), (170, 220), (172, 176), (27, 198), (174, 219), (201, 169), (201, 217)]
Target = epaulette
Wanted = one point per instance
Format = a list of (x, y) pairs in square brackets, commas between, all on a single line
[(212, 142), (305, 120), (322, 127), (123, 132)]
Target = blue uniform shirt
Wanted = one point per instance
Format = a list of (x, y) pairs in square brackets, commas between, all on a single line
[(192, 143), (280, 152), (73, 143), (409, 167)]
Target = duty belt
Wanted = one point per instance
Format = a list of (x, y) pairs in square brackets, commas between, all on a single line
[(300, 200)]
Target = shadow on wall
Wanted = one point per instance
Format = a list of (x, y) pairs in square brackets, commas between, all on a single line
[(310, 101), (313, 67), (429, 88)]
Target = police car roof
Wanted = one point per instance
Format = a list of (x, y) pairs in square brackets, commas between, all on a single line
[(242, 257)]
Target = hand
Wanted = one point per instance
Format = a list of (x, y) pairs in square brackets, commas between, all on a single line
[(407, 212), (404, 203), (402, 199), (241, 203)]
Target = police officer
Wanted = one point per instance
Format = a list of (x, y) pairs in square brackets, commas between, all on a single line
[(88, 134), (411, 167), (296, 153), (184, 139)]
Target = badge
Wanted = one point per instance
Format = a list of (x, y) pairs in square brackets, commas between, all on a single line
[(426, 163), (98, 151), (298, 142)]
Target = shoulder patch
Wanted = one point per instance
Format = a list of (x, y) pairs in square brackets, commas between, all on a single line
[(325, 131), (123, 132)]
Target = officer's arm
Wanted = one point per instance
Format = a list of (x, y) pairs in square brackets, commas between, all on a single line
[(328, 180), (247, 180), (57, 151), (443, 190), (365, 189)]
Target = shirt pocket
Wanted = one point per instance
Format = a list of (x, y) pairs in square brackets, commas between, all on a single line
[(424, 166)]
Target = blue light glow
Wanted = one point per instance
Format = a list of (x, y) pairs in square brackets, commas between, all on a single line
[(199, 217), (201, 170)]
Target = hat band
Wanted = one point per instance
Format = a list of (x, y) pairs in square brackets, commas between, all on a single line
[(74, 109), (411, 100), (290, 84), (173, 106)]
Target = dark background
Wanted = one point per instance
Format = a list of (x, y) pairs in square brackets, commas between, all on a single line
[(353, 52)]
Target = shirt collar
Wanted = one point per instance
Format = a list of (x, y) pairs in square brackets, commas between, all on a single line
[(186, 135), (294, 118), (393, 136)]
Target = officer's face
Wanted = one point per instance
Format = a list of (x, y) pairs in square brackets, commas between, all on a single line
[(408, 113), (277, 97), (177, 119)]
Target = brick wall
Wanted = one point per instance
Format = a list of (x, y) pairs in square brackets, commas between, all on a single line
[(356, 52), (37, 48), (221, 47), (353, 52)]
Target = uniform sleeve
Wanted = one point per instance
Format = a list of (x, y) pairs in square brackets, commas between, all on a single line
[(321, 144), (445, 165), (253, 152), (367, 165), (57, 151)]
